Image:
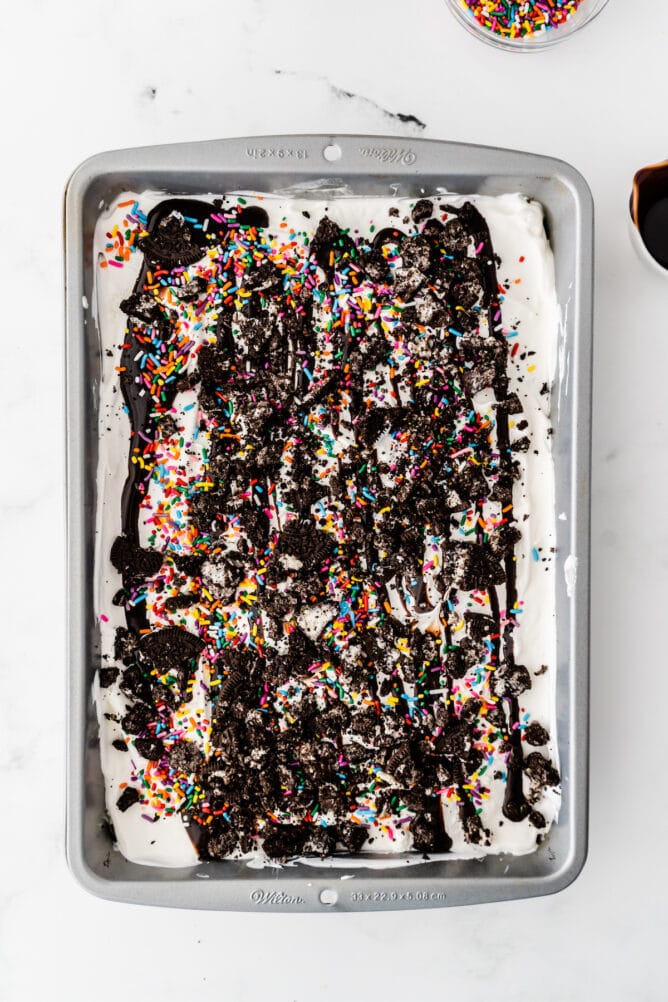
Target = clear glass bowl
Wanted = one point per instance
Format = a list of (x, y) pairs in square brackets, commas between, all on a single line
[(585, 13)]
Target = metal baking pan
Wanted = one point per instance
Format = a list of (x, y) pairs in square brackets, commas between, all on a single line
[(368, 165)]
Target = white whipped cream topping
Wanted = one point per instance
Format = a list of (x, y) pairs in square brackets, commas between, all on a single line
[(518, 238)]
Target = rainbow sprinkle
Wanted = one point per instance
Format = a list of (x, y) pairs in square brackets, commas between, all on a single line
[(526, 18), (122, 239)]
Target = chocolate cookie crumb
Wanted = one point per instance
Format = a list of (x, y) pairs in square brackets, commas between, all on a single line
[(541, 771), (150, 748), (128, 797), (107, 676), (422, 210), (536, 735), (170, 647), (537, 819)]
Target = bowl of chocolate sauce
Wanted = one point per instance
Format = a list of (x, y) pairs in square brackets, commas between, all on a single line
[(649, 214)]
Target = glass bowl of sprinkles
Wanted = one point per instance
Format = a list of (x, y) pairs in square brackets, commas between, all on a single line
[(525, 25)]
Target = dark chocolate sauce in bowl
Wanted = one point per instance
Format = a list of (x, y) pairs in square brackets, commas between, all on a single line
[(649, 210)]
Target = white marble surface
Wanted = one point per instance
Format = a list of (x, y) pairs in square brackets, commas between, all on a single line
[(80, 77)]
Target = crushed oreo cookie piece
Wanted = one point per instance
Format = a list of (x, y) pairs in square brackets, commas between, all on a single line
[(107, 676), (171, 647), (128, 558), (536, 735), (128, 797), (283, 842), (537, 819), (540, 770), (352, 836), (511, 680), (220, 844), (185, 757), (171, 243), (424, 833), (137, 718), (150, 748), (422, 210), (470, 566)]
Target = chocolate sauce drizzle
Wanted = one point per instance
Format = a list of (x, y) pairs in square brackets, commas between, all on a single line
[(143, 410), (515, 806)]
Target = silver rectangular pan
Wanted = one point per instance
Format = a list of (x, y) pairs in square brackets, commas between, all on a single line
[(369, 166)]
